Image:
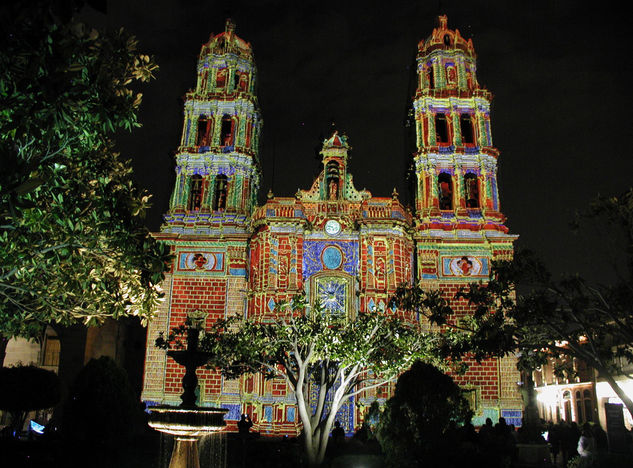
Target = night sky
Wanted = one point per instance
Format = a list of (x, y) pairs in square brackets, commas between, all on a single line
[(560, 72)]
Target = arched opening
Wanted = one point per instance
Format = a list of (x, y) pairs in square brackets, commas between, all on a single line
[(221, 189), (204, 126), (471, 189), (441, 129), (447, 39), (588, 402), (430, 76), (226, 133), (195, 193), (445, 189), (467, 129), (220, 78), (332, 180)]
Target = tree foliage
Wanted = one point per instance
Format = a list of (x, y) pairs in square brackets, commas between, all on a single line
[(27, 388), (412, 429), (101, 396), (316, 353), (524, 309), (73, 246)]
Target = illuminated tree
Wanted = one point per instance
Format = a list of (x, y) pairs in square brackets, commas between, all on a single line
[(315, 352), (73, 246)]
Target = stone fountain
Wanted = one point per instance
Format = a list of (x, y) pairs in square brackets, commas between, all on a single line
[(187, 422)]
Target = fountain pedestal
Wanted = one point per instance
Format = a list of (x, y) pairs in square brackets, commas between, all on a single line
[(187, 422)]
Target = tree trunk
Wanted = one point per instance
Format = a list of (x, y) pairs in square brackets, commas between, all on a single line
[(616, 388), (4, 341)]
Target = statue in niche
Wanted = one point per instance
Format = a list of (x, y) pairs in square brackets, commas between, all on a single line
[(333, 190)]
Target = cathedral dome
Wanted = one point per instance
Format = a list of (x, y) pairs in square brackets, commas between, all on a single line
[(444, 38)]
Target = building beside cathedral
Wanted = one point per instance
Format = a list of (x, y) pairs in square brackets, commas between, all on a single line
[(344, 246)]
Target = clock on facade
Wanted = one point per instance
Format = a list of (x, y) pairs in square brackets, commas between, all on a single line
[(332, 227)]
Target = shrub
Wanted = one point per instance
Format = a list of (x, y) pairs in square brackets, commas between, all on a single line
[(101, 404), (27, 388), (415, 426)]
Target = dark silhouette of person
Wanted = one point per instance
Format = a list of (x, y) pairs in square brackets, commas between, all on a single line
[(602, 443), (338, 434), (244, 425)]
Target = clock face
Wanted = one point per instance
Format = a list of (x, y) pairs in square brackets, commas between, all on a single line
[(332, 227)]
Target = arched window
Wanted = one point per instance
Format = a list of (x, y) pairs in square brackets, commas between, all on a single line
[(204, 126), (588, 405), (195, 193), (226, 134), (447, 40), (221, 189), (441, 129), (471, 189), (430, 77), (467, 129), (445, 189), (332, 180), (220, 78)]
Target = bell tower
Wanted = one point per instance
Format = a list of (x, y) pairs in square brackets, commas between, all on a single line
[(459, 229), (217, 173), (455, 162)]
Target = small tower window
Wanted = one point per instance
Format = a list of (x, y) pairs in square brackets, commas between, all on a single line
[(441, 128), (467, 129), (445, 188), (332, 180), (195, 193), (447, 40), (236, 79), (430, 77), (471, 186), (226, 135), (220, 80), (202, 138), (221, 188)]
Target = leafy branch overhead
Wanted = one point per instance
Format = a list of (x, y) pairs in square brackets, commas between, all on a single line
[(73, 246)]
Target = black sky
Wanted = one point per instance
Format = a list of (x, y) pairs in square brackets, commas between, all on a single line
[(560, 72)]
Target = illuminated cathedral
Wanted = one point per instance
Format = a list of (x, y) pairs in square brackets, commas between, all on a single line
[(343, 246)]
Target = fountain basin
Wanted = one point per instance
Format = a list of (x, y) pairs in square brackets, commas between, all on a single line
[(187, 425)]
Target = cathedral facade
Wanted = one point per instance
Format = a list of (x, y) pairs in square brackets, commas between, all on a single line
[(343, 246)]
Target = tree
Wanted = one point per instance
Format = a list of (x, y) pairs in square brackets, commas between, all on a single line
[(414, 425), (523, 308), (27, 388), (101, 396), (73, 247), (316, 352)]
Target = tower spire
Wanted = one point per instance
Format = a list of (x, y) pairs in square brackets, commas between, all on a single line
[(217, 164)]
